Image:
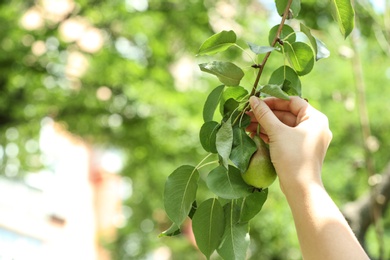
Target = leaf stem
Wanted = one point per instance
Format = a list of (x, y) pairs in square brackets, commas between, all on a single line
[(245, 108), (206, 164), (204, 159), (244, 51), (275, 40)]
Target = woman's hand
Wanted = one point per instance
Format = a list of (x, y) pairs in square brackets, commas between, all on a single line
[(298, 137)]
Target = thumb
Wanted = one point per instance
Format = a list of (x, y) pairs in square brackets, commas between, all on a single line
[(264, 115)]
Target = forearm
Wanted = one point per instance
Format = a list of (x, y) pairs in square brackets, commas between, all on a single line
[(298, 137), (323, 232)]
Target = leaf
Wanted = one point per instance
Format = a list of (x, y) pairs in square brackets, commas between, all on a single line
[(295, 7), (237, 93), (180, 192), (235, 241), (208, 225), (260, 49), (224, 141), (344, 14), (286, 73), (230, 107), (275, 91), (287, 34), (252, 205), (211, 103), (173, 230), (300, 56), (227, 72), (243, 149), (319, 47), (308, 34), (244, 120), (227, 184), (208, 135), (322, 50), (217, 43)]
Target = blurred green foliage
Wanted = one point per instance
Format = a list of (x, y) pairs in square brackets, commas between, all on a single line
[(142, 93)]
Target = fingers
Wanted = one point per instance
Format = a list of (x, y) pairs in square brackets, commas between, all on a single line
[(262, 136), (285, 117), (295, 105), (264, 115), (272, 113)]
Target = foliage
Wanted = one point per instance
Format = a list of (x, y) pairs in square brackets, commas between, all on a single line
[(228, 138), (153, 113)]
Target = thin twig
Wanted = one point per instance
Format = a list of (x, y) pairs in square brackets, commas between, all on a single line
[(276, 39), (366, 134)]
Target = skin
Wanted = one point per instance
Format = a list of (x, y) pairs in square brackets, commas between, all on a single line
[(299, 136)]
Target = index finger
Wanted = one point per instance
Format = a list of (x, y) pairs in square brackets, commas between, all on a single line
[(285, 117), (295, 105)]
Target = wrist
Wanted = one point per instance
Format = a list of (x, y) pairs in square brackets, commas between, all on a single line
[(300, 183)]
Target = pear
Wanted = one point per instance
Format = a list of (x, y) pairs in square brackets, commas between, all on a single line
[(261, 172)]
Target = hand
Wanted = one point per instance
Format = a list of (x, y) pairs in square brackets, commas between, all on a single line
[(298, 136)]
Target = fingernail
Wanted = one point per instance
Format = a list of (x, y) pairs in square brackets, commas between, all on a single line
[(254, 101)]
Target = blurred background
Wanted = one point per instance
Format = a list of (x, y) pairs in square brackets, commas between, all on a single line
[(101, 100)]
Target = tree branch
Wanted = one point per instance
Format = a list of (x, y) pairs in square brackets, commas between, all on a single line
[(359, 212), (275, 40)]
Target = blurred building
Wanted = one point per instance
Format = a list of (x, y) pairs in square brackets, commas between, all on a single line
[(68, 211)]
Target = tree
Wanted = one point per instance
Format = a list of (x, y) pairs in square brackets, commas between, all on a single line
[(244, 169), (133, 96)]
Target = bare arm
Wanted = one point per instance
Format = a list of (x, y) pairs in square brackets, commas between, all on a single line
[(322, 230), (299, 137)]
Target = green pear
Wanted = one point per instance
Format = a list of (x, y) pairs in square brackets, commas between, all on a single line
[(261, 172)]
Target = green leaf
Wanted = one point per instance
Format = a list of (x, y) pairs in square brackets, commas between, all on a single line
[(260, 49), (287, 34), (344, 14), (239, 94), (295, 7), (208, 135), (275, 91), (230, 107), (235, 241), (227, 184), (243, 149), (208, 225), (211, 103), (252, 205), (322, 50), (283, 74), (224, 141), (300, 56), (217, 43), (308, 34), (244, 120), (319, 47), (173, 230), (228, 73), (180, 192)]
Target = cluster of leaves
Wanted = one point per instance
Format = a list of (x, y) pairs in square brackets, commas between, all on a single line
[(222, 223)]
